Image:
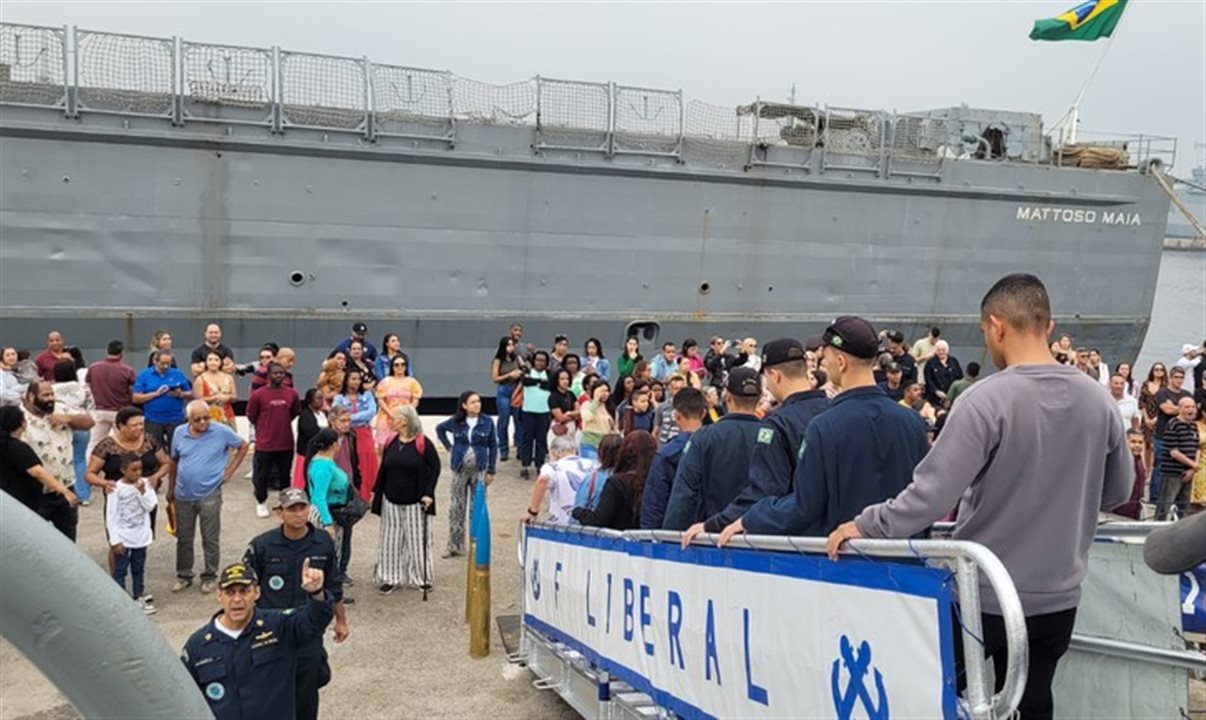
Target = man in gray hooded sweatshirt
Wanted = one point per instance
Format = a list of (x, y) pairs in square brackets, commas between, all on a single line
[(1030, 455)]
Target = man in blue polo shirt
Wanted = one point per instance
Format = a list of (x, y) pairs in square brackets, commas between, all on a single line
[(201, 463), (859, 452), (162, 391)]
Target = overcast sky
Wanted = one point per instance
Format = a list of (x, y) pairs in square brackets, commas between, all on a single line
[(880, 55)]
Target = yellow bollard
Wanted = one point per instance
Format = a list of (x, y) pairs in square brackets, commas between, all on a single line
[(479, 612)]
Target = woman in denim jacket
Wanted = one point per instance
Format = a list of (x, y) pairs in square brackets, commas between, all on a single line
[(471, 431)]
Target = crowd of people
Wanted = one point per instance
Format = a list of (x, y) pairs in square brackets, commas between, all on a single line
[(836, 435)]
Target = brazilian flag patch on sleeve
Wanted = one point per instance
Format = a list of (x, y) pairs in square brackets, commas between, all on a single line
[(766, 435)]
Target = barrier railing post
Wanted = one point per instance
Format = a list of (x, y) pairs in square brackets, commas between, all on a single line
[(972, 638)]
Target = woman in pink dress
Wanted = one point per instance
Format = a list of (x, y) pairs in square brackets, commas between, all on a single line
[(392, 392)]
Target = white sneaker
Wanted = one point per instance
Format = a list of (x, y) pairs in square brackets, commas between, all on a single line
[(261, 510), (250, 474), (147, 605)]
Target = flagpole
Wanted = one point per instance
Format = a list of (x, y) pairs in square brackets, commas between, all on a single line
[(1068, 134), (1073, 115)]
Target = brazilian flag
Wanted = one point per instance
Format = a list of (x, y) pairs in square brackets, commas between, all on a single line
[(1088, 21)]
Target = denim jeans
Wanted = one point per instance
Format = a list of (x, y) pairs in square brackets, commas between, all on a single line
[(209, 513), (503, 398), (535, 439), (80, 440), (134, 560)]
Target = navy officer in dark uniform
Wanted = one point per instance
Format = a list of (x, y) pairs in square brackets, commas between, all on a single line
[(715, 464), (773, 460), (278, 557), (859, 452), (245, 659)]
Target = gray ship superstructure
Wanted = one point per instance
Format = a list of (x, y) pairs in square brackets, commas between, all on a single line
[(151, 182)]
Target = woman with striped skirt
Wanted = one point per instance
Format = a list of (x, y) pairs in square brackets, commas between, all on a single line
[(403, 496)]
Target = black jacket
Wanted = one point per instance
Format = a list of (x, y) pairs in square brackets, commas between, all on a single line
[(405, 476), (773, 459), (254, 676), (714, 468)]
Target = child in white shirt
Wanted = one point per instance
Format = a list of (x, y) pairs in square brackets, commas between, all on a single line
[(128, 521)]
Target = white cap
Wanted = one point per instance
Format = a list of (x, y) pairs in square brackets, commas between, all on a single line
[(1188, 348)]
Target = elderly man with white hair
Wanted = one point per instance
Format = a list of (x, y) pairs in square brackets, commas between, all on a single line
[(404, 496), (201, 464), (561, 478), (940, 371)]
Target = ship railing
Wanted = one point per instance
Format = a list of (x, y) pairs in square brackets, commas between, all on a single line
[(1140, 148), (88, 72), (564, 670)]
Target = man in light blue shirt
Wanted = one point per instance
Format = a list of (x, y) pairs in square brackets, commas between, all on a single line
[(201, 463), (666, 364), (162, 390)]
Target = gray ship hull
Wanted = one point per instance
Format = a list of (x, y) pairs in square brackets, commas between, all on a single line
[(115, 225)]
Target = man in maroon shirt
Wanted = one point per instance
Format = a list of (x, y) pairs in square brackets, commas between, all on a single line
[(111, 382), (48, 358), (271, 410)]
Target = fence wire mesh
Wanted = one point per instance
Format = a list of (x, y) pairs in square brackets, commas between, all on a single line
[(224, 77), (716, 134), (647, 120), (125, 74), (919, 138), (480, 102), (573, 114), (779, 124), (853, 132), (31, 65), (322, 91), (411, 101)]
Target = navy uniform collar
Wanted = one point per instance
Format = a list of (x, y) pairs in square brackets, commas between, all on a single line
[(280, 533), (739, 417), (213, 633), (804, 395), (865, 392)]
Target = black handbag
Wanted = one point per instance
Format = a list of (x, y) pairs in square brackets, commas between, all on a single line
[(350, 513)]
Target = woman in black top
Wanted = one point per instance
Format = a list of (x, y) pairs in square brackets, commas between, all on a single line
[(562, 403), (21, 471), (309, 422), (403, 496), (619, 505)]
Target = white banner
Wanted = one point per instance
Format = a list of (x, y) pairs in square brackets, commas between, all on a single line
[(749, 634)]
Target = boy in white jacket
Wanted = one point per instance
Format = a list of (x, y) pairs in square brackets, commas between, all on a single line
[(128, 522)]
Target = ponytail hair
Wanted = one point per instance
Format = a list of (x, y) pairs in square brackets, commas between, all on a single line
[(323, 440)]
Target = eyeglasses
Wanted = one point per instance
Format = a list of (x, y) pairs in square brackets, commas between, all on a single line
[(199, 419)]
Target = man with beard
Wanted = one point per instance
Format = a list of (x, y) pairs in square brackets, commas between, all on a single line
[(49, 434)]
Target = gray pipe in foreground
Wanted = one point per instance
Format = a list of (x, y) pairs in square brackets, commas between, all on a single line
[(81, 630)]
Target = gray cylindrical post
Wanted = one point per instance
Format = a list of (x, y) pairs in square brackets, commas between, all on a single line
[(83, 632)]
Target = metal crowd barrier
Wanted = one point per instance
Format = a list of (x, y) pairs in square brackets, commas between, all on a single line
[(1126, 531), (595, 695)]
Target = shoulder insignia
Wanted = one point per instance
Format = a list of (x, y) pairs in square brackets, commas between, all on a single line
[(288, 611), (259, 623), (803, 447), (687, 447), (209, 636), (766, 435)]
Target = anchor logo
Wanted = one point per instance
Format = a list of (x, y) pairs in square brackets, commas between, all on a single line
[(856, 690), (536, 579)]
